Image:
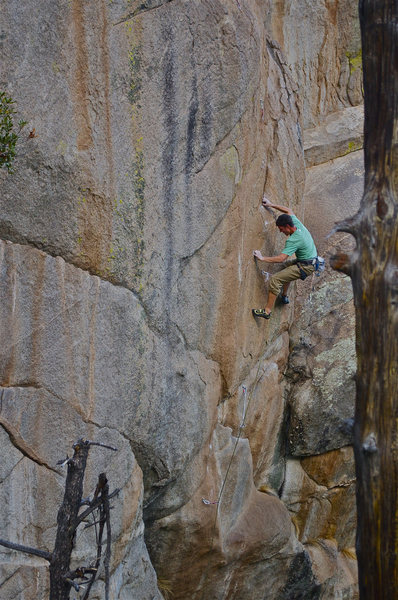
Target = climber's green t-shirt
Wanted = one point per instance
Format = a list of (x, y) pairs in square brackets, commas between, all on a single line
[(300, 242)]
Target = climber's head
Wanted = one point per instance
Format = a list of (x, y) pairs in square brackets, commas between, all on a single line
[(285, 224)]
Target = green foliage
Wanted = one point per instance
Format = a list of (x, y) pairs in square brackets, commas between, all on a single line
[(354, 60), (9, 133)]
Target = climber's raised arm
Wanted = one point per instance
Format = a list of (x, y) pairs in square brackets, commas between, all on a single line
[(283, 209)]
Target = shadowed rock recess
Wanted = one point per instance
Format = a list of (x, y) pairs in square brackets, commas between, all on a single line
[(127, 282)]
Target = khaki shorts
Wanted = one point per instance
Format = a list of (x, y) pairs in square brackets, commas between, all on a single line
[(290, 273)]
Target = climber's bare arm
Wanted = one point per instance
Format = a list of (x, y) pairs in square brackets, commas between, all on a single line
[(270, 259), (283, 209)]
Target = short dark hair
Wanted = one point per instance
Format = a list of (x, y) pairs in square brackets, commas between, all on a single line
[(284, 220)]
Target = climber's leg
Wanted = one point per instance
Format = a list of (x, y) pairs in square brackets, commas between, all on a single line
[(270, 302)]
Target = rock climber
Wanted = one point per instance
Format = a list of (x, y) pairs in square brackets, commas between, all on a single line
[(301, 244)]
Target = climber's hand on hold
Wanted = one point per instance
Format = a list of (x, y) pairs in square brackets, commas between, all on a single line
[(266, 202), (257, 254)]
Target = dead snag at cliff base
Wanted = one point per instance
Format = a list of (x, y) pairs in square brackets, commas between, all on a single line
[(70, 515)]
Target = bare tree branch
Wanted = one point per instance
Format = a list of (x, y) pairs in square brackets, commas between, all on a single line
[(108, 542), (102, 445), (94, 504), (26, 549), (66, 519)]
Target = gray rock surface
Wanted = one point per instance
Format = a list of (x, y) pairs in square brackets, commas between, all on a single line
[(339, 134)]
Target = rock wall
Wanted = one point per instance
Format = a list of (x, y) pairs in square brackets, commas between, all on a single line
[(127, 282), (321, 42)]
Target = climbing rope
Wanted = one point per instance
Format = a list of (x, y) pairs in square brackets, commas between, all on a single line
[(241, 426), (246, 405)]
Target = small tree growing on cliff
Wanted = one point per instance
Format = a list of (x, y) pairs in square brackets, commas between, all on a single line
[(70, 516), (373, 268), (9, 132)]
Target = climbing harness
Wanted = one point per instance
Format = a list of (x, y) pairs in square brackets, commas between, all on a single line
[(319, 265), (318, 262)]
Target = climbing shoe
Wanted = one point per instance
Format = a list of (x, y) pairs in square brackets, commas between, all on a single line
[(260, 312), (285, 299)]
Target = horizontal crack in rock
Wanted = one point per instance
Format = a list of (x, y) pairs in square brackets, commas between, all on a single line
[(141, 8)]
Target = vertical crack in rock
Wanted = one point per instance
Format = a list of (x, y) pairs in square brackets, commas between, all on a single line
[(37, 322), (169, 99), (275, 52), (11, 279), (107, 100), (91, 357), (85, 134)]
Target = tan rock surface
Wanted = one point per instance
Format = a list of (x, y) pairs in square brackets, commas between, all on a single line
[(260, 407), (336, 570), (321, 42), (320, 493), (223, 551), (159, 125)]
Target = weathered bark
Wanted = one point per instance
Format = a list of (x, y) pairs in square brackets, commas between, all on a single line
[(67, 520), (374, 272)]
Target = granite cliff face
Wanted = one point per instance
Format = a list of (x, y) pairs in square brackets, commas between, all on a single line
[(127, 282)]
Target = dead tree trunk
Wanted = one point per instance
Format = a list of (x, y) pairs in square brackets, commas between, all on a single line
[(67, 521), (70, 516), (374, 272)]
